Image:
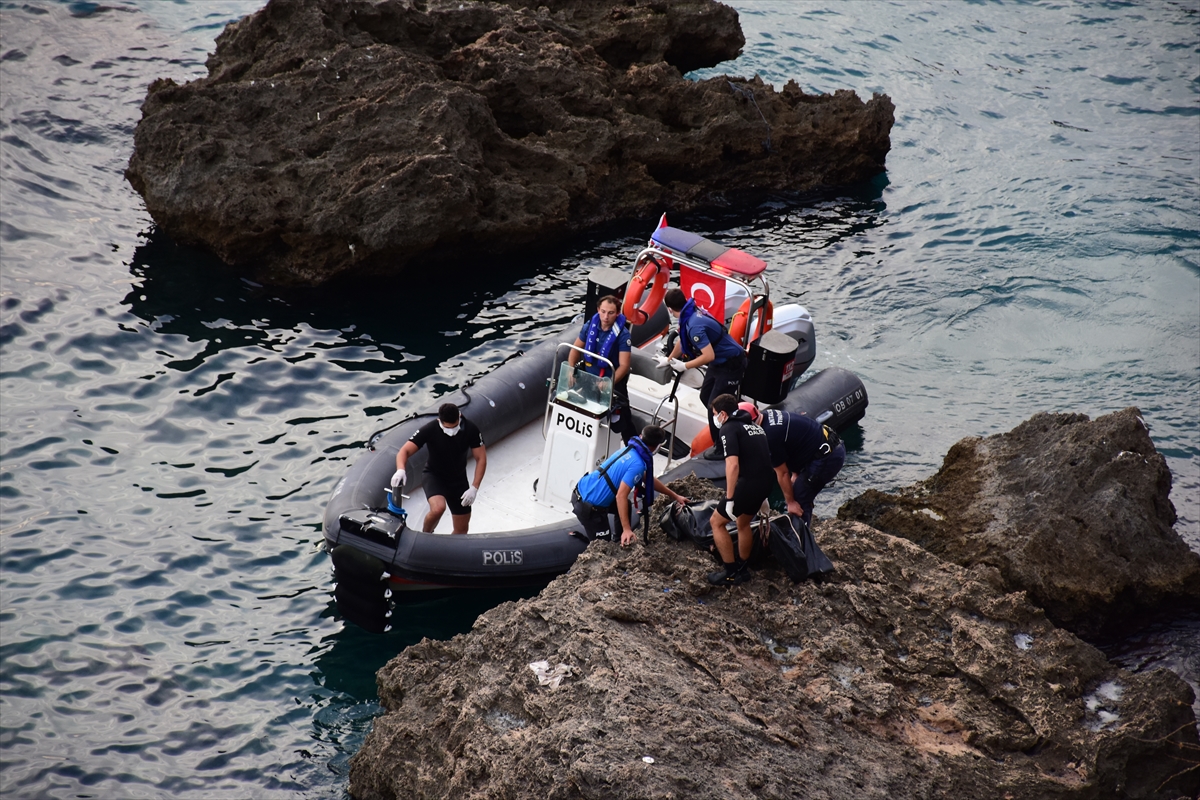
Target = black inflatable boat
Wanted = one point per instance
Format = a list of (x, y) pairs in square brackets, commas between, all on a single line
[(542, 435)]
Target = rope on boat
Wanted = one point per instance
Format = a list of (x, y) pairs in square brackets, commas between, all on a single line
[(374, 437)]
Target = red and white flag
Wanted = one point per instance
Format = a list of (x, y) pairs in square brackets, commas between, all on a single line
[(707, 290)]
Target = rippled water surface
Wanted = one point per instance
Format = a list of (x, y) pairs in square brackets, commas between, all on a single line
[(170, 432)]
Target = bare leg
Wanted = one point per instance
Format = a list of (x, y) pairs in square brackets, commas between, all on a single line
[(745, 537), (721, 537), (437, 507)]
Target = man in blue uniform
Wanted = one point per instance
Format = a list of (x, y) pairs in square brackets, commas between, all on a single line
[(449, 438), (703, 340), (607, 335), (606, 489), (806, 456), (748, 480)]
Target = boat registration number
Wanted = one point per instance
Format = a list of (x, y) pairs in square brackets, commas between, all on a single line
[(502, 557), (848, 401)]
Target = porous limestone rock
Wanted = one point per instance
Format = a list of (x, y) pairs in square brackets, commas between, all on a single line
[(903, 676), (1076, 512)]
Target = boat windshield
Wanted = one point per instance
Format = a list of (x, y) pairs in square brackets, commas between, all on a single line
[(583, 391)]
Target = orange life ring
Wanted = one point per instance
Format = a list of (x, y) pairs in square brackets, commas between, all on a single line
[(655, 275), (702, 441), (737, 326)]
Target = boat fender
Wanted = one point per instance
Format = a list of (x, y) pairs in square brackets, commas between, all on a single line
[(702, 441), (653, 275)]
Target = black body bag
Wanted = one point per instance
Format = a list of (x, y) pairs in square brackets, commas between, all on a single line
[(693, 522), (689, 522), (796, 550)]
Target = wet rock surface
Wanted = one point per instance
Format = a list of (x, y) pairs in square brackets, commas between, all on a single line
[(1074, 511), (355, 136), (904, 674)]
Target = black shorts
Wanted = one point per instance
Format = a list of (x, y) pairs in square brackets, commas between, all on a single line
[(594, 520), (452, 491), (748, 496)]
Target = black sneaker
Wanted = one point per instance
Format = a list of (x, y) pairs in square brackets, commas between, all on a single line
[(730, 575)]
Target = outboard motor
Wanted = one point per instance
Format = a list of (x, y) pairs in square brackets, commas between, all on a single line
[(806, 350), (771, 365), (602, 281)]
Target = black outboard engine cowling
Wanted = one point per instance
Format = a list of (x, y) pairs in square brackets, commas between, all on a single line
[(770, 368), (806, 349)]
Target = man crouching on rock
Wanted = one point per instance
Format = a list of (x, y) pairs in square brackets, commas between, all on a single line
[(748, 480), (606, 489)]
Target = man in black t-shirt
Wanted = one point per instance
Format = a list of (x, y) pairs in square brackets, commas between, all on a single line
[(806, 456), (449, 439), (748, 480)]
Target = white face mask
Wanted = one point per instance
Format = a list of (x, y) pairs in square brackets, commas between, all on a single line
[(721, 419), (449, 431)]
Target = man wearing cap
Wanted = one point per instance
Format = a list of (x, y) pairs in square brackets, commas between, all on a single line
[(606, 489), (607, 335), (449, 439), (703, 340), (748, 480), (806, 456)]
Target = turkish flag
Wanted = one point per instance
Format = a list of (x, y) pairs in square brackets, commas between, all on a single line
[(707, 290)]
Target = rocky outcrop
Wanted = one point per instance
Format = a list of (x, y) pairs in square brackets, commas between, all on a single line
[(1075, 512), (905, 676), (356, 136)]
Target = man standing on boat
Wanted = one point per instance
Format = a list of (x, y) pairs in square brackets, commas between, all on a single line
[(606, 335), (806, 456), (449, 438), (606, 489), (749, 478), (703, 340)]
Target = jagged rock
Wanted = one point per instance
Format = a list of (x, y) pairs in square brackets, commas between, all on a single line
[(1075, 512), (356, 136), (903, 676)]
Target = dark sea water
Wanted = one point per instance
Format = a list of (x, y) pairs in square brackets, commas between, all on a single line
[(169, 433)]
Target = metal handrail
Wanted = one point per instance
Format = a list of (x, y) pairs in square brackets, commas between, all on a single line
[(758, 298), (674, 420)]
